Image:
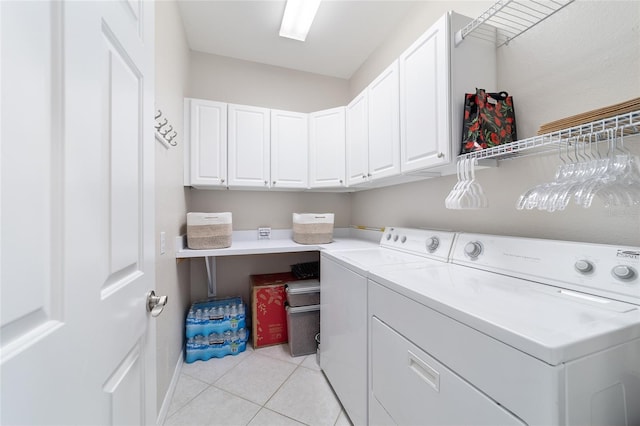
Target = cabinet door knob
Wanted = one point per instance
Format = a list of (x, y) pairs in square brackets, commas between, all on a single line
[(440, 154), (368, 174), (340, 181), (221, 180), (266, 182), (274, 183)]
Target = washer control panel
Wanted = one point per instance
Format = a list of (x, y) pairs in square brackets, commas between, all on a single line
[(433, 244)]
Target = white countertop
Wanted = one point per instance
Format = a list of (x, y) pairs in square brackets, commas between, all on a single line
[(246, 243)]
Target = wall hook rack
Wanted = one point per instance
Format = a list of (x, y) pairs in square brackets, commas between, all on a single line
[(164, 131)]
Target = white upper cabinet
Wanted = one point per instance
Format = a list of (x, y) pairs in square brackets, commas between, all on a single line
[(206, 126), (406, 125), (384, 126), (358, 140), (248, 144), (424, 99), (327, 148), (289, 149), (434, 76)]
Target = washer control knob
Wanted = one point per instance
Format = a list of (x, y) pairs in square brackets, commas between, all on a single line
[(403, 239), (623, 272), (432, 243), (583, 266), (395, 238), (473, 249), (388, 236)]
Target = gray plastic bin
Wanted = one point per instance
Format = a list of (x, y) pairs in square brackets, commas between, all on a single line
[(303, 323), (303, 293)]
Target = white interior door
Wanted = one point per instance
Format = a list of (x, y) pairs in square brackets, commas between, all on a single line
[(77, 345)]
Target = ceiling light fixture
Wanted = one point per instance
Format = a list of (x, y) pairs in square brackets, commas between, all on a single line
[(298, 17)]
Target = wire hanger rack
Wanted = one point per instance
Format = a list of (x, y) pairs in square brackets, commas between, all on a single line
[(507, 19), (468, 194)]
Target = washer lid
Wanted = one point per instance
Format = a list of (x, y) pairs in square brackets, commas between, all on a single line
[(363, 260), (552, 324)]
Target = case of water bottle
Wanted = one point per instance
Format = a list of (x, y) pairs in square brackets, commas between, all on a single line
[(216, 328)]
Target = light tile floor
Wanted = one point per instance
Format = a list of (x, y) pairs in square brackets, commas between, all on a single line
[(258, 387)]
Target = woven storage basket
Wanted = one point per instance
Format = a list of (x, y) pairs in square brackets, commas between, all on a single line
[(313, 228), (209, 230)]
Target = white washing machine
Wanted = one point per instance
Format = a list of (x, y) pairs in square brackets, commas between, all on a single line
[(343, 306), (512, 331)]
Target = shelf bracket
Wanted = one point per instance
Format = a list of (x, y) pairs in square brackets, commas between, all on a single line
[(210, 263)]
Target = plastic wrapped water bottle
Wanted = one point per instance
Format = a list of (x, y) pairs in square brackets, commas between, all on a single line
[(234, 311)]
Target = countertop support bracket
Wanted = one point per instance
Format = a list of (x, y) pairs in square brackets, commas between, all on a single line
[(210, 263)]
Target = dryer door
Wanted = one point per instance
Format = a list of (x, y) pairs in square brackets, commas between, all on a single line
[(414, 388)]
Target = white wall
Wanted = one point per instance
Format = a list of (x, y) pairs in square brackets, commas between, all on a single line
[(172, 279), (584, 57), (231, 80)]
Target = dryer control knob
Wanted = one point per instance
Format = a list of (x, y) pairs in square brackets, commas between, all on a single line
[(403, 239), (584, 266), (623, 272), (432, 243), (473, 249)]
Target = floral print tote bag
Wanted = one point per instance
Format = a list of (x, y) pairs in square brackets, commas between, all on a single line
[(489, 120)]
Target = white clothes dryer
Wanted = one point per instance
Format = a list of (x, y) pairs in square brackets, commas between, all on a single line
[(343, 306)]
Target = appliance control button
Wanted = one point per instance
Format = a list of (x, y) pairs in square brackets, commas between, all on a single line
[(388, 237), (584, 266), (403, 239), (473, 249), (432, 243), (623, 272), (395, 238)]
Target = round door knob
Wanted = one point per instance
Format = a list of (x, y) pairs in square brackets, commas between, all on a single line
[(274, 183), (623, 272), (221, 180), (155, 304), (432, 244), (440, 154), (584, 266), (473, 249)]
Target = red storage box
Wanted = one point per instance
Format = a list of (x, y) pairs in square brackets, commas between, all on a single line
[(269, 317)]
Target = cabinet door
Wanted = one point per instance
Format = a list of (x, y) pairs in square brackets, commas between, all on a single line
[(424, 100), (327, 148), (384, 126), (289, 149), (249, 146), (357, 140), (208, 142)]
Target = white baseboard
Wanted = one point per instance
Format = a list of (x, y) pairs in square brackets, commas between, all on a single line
[(166, 403)]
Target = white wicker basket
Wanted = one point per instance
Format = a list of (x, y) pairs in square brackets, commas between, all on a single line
[(313, 228), (209, 230)]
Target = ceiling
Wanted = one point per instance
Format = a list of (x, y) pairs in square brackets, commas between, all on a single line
[(343, 35)]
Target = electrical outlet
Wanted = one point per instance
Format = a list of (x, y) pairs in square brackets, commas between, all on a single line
[(264, 233), (163, 242)]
